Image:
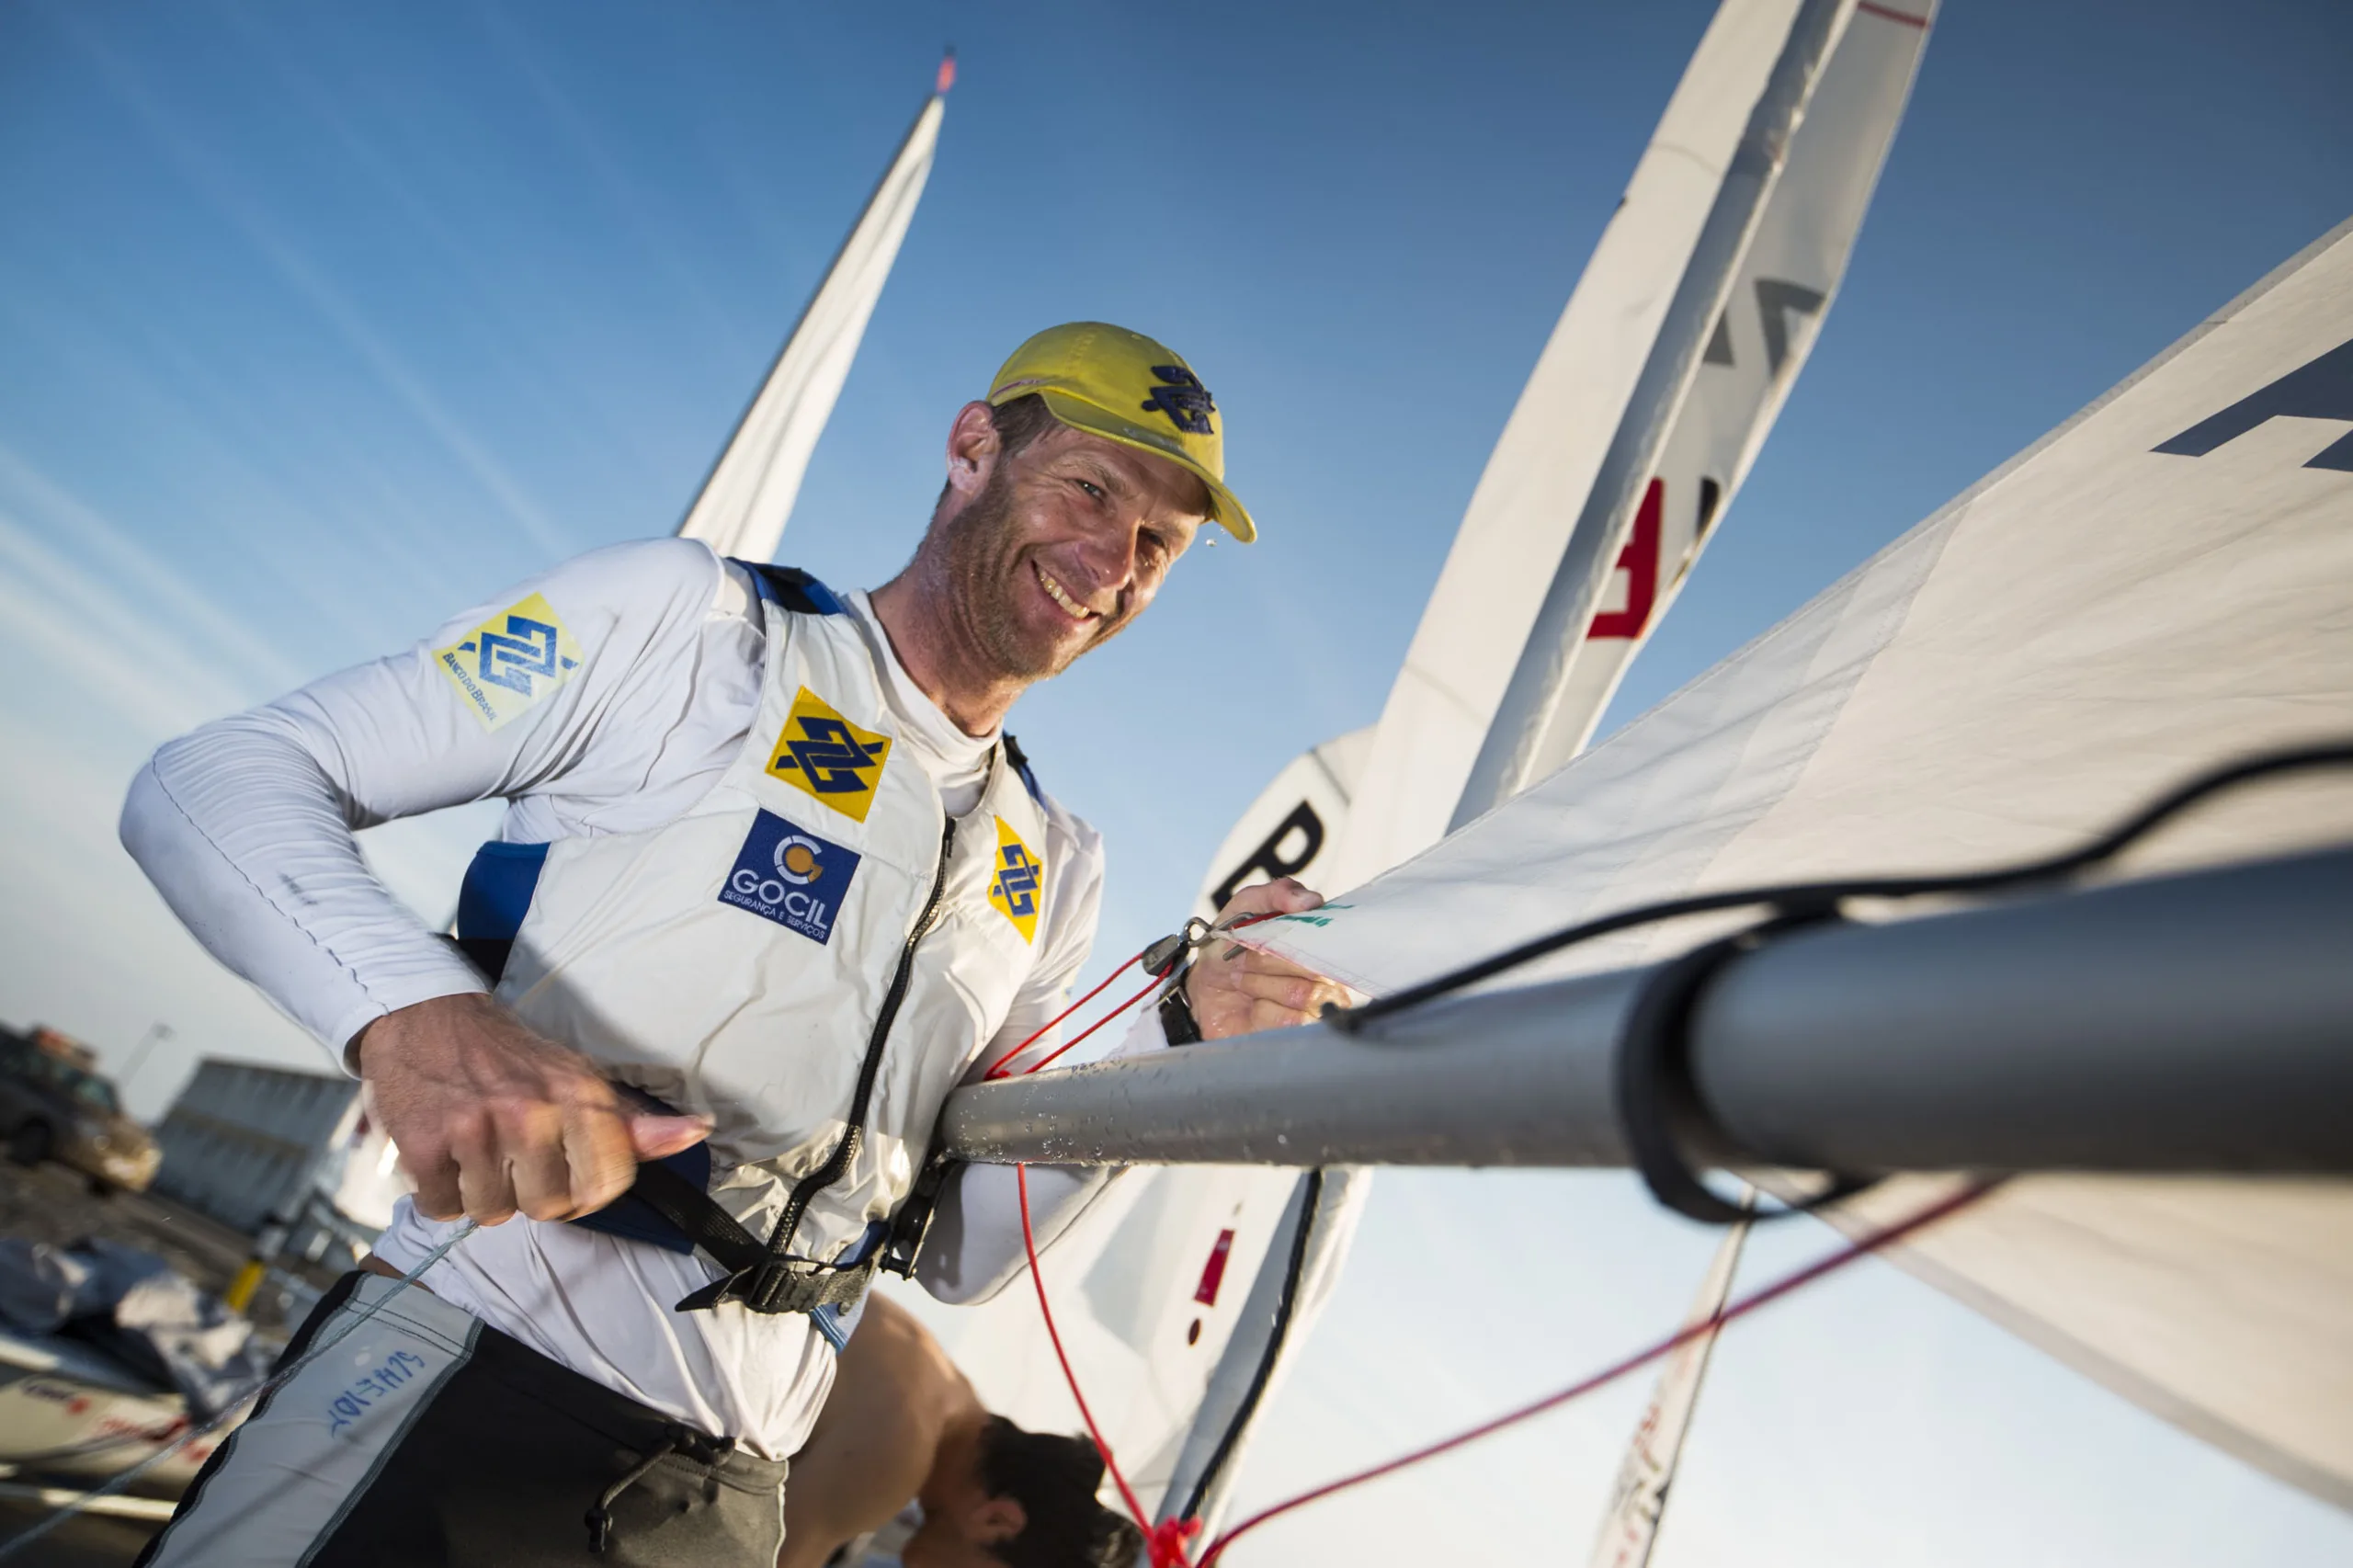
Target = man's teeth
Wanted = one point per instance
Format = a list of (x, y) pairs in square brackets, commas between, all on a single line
[(1055, 591)]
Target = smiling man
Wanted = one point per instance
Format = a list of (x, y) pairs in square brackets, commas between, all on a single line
[(772, 881)]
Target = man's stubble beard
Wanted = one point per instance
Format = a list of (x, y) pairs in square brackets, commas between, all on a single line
[(984, 565)]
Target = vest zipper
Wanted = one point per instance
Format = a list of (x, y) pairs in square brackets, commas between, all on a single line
[(854, 1135)]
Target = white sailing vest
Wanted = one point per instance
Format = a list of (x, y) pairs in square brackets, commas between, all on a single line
[(815, 927)]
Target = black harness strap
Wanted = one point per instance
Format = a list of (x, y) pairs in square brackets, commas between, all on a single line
[(758, 1278)]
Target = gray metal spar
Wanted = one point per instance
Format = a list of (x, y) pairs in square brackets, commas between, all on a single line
[(2199, 1022)]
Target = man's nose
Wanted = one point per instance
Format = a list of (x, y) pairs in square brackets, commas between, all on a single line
[(1110, 553)]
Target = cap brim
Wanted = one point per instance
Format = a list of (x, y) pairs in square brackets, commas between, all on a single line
[(1095, 420)]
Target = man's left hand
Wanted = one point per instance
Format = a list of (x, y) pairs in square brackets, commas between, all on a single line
[(1237, 990)]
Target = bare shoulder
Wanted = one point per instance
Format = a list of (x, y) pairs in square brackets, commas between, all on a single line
[(894, 1346)]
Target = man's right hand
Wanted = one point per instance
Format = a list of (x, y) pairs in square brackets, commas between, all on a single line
[(491, 1118)]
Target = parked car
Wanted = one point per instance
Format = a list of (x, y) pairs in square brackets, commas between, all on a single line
[(51, 1108)]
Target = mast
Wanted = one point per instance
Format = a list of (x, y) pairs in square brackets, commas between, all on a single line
[(1638, 1502), (748, 493)]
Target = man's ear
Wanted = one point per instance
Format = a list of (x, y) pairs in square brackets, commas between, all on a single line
[(998, 1519), (972, 449)]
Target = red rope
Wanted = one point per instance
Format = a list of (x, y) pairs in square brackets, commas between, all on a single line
[(996, 1070), (1812, 1272), (1166, 1541)]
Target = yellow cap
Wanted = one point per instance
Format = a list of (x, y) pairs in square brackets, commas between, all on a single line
[(1125, 387)]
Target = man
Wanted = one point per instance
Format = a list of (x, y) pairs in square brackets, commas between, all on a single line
[(771, 881), (903, 1427)]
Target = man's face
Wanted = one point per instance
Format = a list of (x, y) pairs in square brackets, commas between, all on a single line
[(1064, 544)]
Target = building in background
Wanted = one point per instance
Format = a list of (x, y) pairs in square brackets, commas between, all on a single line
[(269, 1150)]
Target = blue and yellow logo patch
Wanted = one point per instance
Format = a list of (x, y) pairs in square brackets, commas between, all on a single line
[(1017, 881), (827, 757), (510, 661)]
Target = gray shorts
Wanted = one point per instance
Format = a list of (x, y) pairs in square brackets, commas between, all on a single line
[(425, 1439)]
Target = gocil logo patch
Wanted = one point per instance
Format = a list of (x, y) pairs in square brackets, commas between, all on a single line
[(791, 876)]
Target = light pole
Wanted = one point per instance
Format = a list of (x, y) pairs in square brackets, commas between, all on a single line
[(156, 1033)]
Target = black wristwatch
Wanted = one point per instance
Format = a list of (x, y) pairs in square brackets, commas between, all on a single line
[(1177, 1019)]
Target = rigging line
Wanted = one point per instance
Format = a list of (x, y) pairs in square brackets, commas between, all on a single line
[(1277, 1335), (1812, 896), (1166, 1541), (998, 1069), (121, 1479), (1820, 1269), (1173, 950)]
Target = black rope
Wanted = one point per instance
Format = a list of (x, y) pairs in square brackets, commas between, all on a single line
[(1669, 1132), (1670, 1135), (1824, 897), (1264, 1373)]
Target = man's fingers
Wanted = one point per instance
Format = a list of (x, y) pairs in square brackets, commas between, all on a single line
[(436, 1184), (482, 1184), (531, 1145), (656, 1137), (1284, 895), (597, 1146), (1291, 988)]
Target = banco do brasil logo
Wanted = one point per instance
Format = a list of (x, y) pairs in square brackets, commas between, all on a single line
[(1017, 881), (827, 757), (510, 661)]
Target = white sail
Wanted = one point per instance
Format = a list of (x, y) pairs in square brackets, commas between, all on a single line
[(1577, 406), (2163, 582), (1638, 1502), (748, 493)]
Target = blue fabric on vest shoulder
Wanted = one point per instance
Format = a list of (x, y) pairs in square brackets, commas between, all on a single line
[(792, 587), (1021, 765)]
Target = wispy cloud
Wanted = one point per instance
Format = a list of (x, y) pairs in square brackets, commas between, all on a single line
[(184, 150)]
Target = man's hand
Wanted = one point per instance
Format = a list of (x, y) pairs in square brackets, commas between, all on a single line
[(490, 1118), (1237, 990)]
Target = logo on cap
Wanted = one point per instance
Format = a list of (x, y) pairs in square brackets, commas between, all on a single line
[(824, 754), (1183, 399)]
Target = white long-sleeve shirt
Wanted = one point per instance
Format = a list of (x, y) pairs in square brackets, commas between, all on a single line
[(246, 828)]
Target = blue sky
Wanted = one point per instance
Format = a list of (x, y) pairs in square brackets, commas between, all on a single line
[(321, 322)]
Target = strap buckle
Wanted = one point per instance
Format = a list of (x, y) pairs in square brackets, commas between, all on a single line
[(779, 1285)]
